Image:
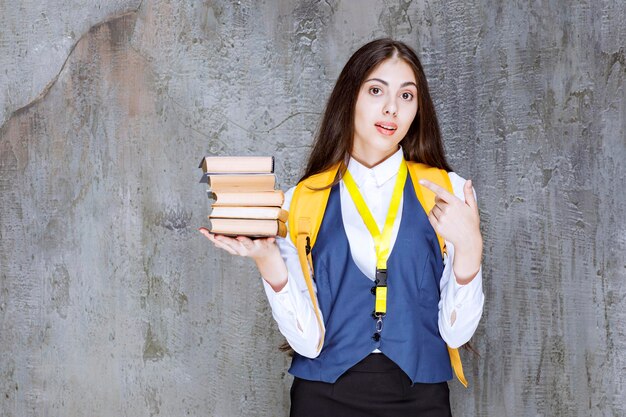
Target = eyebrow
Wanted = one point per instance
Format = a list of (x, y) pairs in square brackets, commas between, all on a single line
[(404, 84)]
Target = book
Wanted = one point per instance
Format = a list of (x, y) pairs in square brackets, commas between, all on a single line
[(241, 182), (248, 227), (245, 201), (237, 164), (274, 198), (270, 213)]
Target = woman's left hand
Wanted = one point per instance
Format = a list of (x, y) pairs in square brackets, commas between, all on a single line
[(458, 222), (455, 220)]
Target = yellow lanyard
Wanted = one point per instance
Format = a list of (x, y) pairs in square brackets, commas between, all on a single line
[(381, 240)]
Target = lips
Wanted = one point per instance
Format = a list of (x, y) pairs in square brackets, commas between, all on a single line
[(386, 128)]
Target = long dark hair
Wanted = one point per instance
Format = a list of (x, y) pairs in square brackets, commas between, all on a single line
[(334, 140)]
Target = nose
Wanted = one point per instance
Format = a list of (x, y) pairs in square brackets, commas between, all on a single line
[(390, 108)]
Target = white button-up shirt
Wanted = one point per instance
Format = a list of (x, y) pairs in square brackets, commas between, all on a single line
[(460, 306)]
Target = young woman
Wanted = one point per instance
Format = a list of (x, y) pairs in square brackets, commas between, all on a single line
[(378, 116)]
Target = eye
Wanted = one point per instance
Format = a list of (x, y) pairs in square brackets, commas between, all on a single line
[(376, 91), (407, 96)]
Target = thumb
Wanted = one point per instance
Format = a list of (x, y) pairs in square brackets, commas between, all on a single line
[(469, 194)]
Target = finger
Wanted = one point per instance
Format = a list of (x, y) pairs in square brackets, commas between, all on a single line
[(437, 212), (246, 242), (226, 239), (439, 191), (231, 243), (439, 201), (261, 241), (468, 190), (206, 233), (433, 221), (224, 246)]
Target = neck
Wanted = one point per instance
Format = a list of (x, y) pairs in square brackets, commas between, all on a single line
[(371, 159)]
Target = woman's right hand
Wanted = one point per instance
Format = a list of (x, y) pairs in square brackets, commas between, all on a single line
[(242, 245), (263, 251)]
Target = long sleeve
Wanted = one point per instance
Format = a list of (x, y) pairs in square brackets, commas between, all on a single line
[(460, 306), (292, 307)]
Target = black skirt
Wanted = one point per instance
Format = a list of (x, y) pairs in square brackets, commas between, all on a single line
[(375, 387)]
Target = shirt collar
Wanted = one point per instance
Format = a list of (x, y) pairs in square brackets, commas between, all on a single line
[(381, 173)]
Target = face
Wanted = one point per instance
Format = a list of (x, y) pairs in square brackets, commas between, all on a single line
[(385, 108)]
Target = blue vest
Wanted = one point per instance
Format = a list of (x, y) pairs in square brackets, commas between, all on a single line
[(410, 335)]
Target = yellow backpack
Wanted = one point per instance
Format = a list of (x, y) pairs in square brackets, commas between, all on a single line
[(307, 210)]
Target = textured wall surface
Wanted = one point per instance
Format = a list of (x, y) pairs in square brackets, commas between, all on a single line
[(112, 304)]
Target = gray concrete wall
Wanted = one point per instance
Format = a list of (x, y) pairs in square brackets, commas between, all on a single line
[(112, 304)]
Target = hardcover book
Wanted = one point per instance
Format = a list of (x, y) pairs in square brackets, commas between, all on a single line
[(269, 213), (248, 227), (237, 164), (241, 182), (274, 198)]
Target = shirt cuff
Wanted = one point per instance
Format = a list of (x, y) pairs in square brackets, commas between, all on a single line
[(470, 294), (278, 295)]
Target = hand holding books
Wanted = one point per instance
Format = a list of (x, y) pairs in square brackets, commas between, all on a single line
[(263, 251), (242, 245), (247, 212)]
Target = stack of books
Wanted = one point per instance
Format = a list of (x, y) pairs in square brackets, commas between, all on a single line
[(244, 201)]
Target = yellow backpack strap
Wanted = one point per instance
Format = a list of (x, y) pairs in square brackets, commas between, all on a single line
[(305, 217), (424, 195), (426, 198)]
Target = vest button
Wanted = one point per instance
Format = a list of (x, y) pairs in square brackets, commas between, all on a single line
[(373, 290), (376, 337)]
